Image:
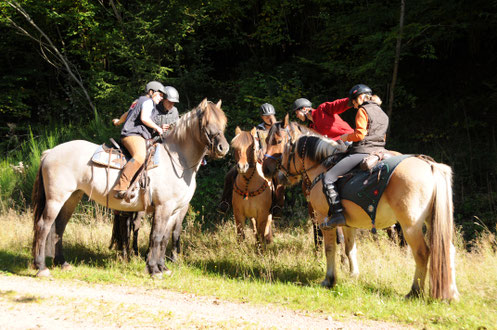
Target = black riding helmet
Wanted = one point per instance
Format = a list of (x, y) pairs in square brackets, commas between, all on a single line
[(358, 90), (301, 103), (267, 110)]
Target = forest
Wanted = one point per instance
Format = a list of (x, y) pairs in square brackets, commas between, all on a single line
[(68, 67)]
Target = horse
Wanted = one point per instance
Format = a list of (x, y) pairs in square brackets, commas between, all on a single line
[(419, 193), (252, 192), (66, 173)]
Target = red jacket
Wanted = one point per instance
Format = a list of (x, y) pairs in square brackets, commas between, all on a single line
[(326, 119)]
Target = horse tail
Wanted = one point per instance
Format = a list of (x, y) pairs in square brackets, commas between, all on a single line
[(38, 200), (441, 233)]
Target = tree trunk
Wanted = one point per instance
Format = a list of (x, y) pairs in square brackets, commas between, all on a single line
[(397, 58)]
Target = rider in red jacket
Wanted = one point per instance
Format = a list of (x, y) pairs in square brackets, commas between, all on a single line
[(325, 119)]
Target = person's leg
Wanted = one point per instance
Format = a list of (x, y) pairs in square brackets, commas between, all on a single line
[(136, 146), (229, 181), (278, 200), (335, 214)]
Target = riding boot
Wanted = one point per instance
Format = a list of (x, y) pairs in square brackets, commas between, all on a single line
[(278, 201), (335, 213), (229, 181), (127, 175)]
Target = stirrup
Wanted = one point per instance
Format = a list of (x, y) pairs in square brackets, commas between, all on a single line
[(223, 207), (120, 194), (277, 212), (338, 219)]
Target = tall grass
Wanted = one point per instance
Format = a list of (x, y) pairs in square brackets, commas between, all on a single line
[(287, 274)]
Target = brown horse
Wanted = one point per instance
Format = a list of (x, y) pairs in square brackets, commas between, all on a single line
[(252, 192), (419, 193)]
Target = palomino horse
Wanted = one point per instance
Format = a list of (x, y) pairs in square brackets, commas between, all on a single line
[(252, 192), (66, 173), (419, 192)]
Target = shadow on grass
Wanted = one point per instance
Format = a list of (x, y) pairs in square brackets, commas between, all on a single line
[(281, 274), (14, 262), (19, 262)]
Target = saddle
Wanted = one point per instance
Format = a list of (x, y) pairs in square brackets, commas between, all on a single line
[(369, 162), (115, 155)]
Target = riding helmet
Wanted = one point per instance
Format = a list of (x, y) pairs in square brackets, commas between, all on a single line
[(153, 85), (358, 90), (267, 110), (301, 103), (171, 94)]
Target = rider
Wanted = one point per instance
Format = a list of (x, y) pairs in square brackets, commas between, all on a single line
[(267, 114), (165, 113), (369, 136), (138, 126), (325, 119)]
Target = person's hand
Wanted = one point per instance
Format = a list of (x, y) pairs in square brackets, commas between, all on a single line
[(115, 121), (159, 130), (165, 127)]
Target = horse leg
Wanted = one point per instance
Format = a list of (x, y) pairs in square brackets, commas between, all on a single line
[(156, 237), (170, 224), (268, 233), (60, 226), (330, 246), (136, 225), (415, 238), (42, 228), (239, 222), (178, 228), (351, 249)]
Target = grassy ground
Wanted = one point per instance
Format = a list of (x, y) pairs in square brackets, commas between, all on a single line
[(288, 274)]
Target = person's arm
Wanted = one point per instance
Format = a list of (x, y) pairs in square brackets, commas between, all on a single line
[(146, 114), (335, 107), (121, 120), (361, 127)]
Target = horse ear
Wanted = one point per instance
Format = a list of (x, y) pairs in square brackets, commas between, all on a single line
[(203, 104), (237, 130), (218, 105), (253, 131), (286, 121)]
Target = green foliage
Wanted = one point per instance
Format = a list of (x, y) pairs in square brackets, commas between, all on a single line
[(247, 53)]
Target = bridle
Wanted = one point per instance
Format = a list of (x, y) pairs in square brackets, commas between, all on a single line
[(209, 138)]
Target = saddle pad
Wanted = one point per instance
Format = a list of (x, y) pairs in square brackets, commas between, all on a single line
[(117, 161), (365, 188)]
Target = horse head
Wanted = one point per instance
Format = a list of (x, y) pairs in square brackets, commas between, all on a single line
[(246, 148), (212, 123), (279, 135)]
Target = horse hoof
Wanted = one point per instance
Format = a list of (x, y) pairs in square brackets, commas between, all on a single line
[(157, 276), (66, 266), (43, 273)]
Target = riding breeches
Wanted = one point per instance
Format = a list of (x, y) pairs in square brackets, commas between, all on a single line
[(137, 147), (342, 167)]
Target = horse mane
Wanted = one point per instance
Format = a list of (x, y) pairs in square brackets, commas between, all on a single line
[(242, 139), (317, 148), (189, 120), (292, 126)]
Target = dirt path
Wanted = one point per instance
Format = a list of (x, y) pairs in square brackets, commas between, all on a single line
[(27, 303)]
